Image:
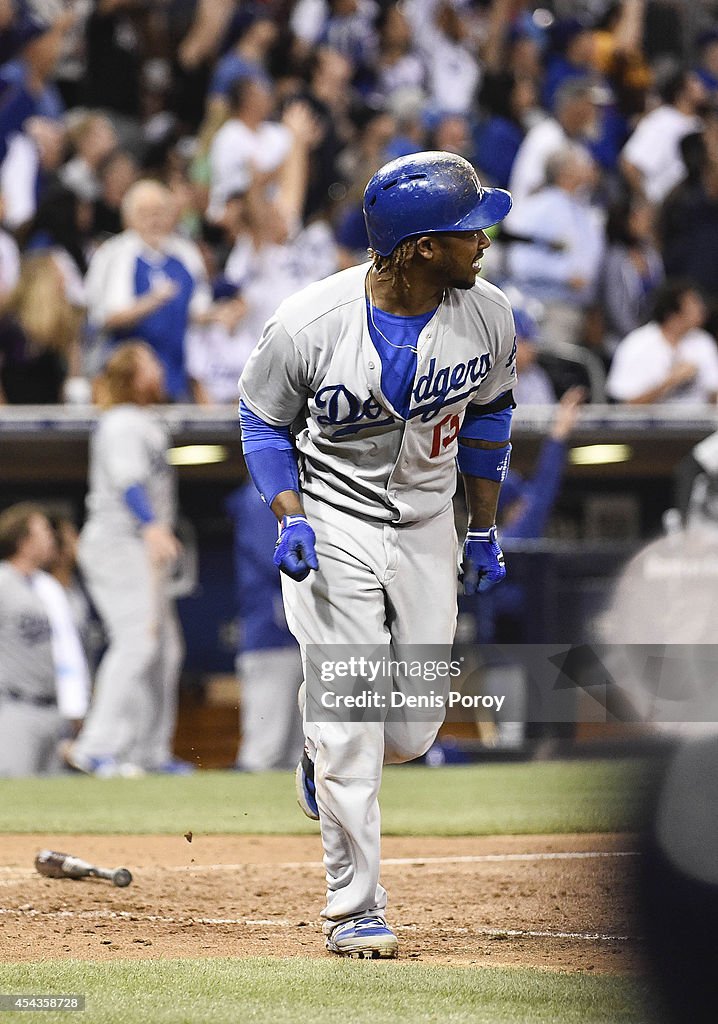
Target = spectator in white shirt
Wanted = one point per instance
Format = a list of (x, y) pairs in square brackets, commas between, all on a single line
[(9, 261), (248, 147), (93, 138), (398, 67), (273, 256), (560, 259), (149, 283), (33, 158), (442, 39), (575, 121), (670, 359), (651, 159)]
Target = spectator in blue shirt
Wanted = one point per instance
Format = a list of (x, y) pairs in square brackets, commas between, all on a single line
[(248, 58), (508, 99), (26, 86)]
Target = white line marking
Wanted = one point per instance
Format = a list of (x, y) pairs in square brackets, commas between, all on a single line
[(484, 858), (501, 857), (518, 933), (125, 915)]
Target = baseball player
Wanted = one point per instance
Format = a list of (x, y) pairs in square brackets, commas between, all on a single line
[(268, 663), (43, 672), (377, 378), (127, 548)]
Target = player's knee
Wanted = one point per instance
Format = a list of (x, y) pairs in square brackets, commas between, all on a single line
[(139, 648), (409, 741), (353, 751)]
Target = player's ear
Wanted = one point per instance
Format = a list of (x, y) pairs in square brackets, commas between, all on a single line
[(426, 246)]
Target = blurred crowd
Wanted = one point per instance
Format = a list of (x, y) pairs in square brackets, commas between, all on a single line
[(170, 170)]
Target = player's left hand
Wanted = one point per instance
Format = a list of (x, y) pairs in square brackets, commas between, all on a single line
[(482, 564), (294, 553)]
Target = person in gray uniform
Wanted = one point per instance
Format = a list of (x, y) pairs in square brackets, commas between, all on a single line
[(126, 552), (30, 722), (378, 378)]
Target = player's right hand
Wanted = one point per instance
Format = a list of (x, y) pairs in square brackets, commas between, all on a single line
[(483, 563), (162, 545), (294, 553)]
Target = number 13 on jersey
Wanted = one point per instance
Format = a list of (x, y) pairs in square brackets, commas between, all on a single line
[(445, 433)]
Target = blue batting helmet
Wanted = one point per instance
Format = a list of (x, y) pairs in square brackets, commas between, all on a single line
[(427, 193)]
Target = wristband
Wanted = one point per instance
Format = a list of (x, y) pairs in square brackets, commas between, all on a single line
[(290, 520), (487, 463)]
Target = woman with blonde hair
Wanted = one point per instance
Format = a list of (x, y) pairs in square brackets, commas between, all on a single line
[(39, 335), (126, 553)]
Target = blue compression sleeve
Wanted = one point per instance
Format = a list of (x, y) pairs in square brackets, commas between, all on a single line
[(258, 434), (138, 502), (269, 455)]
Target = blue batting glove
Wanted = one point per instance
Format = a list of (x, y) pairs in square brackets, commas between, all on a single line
[(294, 553), (483, 561)]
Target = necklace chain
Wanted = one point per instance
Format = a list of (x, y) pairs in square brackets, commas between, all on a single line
[(412, 348)]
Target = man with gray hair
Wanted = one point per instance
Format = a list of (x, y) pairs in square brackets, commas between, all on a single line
[(576, 121), (560, 264), (148, 284)]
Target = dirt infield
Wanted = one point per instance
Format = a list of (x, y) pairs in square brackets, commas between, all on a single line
[(559, 902)]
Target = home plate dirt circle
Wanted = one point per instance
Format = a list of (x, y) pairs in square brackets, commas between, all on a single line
[(555, 902)]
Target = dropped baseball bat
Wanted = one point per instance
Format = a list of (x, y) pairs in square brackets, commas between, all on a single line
[(62, 865)]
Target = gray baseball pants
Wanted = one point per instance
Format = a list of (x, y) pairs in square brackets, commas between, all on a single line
[(29, 736), (378, 584), (270, 724), (133, 712)]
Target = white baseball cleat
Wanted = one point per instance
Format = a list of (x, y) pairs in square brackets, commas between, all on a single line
[(364, 938), (100, 767)]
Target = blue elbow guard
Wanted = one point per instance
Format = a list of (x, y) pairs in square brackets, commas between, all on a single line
[(138, 502), (273, 470), (492, 426), (487, 463)]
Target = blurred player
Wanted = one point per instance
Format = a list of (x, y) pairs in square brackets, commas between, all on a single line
[(387, 371), (126, 553), (43, 673), (268, 664)]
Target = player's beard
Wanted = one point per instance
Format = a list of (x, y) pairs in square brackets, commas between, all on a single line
[(467, 281), (463, 284), (460, 278)]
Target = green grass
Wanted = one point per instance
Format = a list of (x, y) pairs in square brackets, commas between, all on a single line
[(546, 797), (265, 991)]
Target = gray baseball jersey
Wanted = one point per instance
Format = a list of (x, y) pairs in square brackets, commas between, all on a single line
[(378, 489), (317, 368), (26, 657), (129, 447)]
